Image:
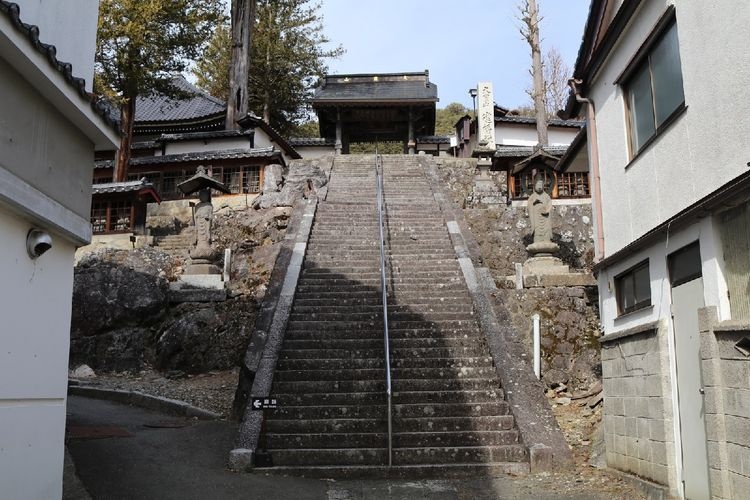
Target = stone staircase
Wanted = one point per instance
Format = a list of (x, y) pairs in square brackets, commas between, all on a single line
[(449, 412), (176, 244)]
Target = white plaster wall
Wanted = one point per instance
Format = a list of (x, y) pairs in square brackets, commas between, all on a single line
[(308, 152), (35, 307), (41, 146), (508, 134), (714, 285), (263, 140), (55, 19), (201, 146), (702, 149)]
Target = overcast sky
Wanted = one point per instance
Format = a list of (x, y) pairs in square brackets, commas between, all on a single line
[(460, 42)]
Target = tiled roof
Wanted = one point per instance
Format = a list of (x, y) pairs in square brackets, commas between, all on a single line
[(214, 134), (433, 139), (159, 108), (120, 187), (376, 87), (524, 151), (251, 120), (531, 120), (311, 141), (227, 154), (100, 106)]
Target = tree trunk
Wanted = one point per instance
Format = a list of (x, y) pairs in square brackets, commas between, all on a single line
[(243, 17), (267, 94), (532, 22), (127, 114)]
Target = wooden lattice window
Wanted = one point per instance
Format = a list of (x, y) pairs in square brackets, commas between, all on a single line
[(112, 216), (573, 185), (252, 179), (99, 217)]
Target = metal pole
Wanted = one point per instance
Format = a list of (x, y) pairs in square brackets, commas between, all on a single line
[(379, 179), (537, 347)]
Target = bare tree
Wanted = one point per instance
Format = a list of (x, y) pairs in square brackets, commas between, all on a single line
[(243, 18), (529, 17), (556, 74)]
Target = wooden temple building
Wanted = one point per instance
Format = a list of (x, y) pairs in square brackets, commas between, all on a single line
[(376, 107)]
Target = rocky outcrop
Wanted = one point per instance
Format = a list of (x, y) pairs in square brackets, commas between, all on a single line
[(303, 178), (117, 288), (122, 320), (199, 338)]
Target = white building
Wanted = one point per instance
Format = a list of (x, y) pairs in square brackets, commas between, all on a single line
[(663, 85), (48, 133)]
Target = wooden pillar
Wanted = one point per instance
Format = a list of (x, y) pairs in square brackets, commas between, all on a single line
[(411, 144), (339, 144)]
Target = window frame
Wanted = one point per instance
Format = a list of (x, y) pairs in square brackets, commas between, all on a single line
[(630, 273), (641, 60)]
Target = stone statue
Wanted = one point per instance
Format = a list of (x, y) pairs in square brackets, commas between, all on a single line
[(204, 214), (540, 213), (540, 209)]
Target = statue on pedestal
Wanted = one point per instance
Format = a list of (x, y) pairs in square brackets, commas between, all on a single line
[(540, 212), (202, 253)]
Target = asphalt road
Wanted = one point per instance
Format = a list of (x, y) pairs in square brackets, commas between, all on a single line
[(125, 452)]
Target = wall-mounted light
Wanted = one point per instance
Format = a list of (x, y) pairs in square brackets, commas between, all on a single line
[(473, 93), (37, 242)]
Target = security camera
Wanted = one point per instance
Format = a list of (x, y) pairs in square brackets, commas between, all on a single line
[(38, 242)]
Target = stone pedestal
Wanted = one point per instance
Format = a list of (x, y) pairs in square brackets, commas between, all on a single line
[(543, 249), (546, 264), (486, 189)]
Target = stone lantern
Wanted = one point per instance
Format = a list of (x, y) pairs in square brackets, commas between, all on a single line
[(202, 254)]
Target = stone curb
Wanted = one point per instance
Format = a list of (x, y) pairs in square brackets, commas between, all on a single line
[(143, 400), (548, 449), (265, 344), (653, 491)]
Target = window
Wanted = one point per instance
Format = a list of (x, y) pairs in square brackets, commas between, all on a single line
[(114, 216), (653, 88), (523, 184), (573, 185), (633, 289)]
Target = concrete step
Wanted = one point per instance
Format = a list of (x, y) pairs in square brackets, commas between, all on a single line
[(397, 373), (379, 398), (402, 385), (453, 424), (460, 454), (327, 426), (411, 472), (437, 329), (311, 350), (400, 440)]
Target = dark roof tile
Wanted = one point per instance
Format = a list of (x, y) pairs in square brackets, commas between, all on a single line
[(160, 108), (311, 141), (99, 105), (378, 87), (227, 154), (531, 120)]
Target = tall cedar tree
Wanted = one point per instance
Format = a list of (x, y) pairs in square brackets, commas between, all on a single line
[(242, 20), (288, 57), (140, 45)]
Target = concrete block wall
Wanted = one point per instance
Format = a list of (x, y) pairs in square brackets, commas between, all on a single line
[(638, 417), (726, 379)]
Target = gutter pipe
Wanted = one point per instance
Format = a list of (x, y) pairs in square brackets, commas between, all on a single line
[(591, 137)]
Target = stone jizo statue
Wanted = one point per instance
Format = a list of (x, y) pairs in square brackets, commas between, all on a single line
[(540, 212), (202, 183), (204, 214)]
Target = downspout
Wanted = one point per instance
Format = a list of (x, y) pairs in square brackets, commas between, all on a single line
[(591, 137)]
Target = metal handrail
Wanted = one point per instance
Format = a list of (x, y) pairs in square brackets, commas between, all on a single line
[(379, 179)]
